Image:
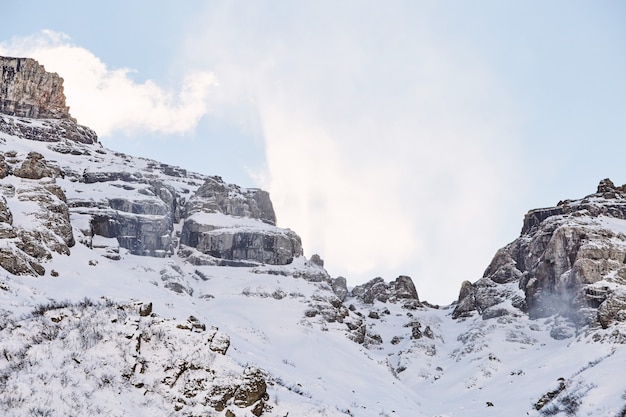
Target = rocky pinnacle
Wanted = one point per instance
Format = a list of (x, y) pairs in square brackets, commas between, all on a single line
[(28, 90)]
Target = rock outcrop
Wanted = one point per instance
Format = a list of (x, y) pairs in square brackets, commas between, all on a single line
[(32, 104), (244, 239), (215, 196), (567, 261), (28, 90), (48, 130), (27, 244), (36, 167), (227, 222), (400, 290), (222, 223), (138, 203)]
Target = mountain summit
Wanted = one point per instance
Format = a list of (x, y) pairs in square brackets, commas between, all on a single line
[(133, 287)]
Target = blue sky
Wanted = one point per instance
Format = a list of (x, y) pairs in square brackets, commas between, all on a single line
[(405, 137)]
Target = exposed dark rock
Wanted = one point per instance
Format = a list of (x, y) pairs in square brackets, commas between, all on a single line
[(36, 167), (5, 213), (612, 309), (27, 246), (317, 260), (402, 289), (275, 247), (258, 408), (252, 389), (535, 217), (466, 302), (358, 333), (215, 196), (62, 132), (329, 307), (236, 240), (28, 90), (558, 263), (340, 287), (5, 169), (396, 339), (428, 332), (219, 395), (20, 263), (416, 329), (90, 177), (606, 186), (550, 395), (140, 234), (145, 310), (375, 289)]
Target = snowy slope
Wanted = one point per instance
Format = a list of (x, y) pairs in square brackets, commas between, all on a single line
[(69, 338)]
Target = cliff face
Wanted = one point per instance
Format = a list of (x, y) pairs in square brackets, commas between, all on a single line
[(27, 90), (570, 260), (32, 104), (117, 202)]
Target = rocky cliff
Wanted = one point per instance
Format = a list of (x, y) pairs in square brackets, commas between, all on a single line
[(35, 99), (28, 90), (138, 203), (569, 260)]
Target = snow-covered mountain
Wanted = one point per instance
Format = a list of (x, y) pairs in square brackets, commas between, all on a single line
[(135, 288)]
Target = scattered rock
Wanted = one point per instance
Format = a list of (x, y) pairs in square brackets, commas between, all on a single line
[(252, 389), (145, 310), (218, 341), (402, 289)]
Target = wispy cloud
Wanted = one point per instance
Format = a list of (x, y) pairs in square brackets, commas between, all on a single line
[(109, 100), (389, 148)]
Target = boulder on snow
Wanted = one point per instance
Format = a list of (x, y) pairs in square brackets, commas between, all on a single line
[(252, 389), (218, 341)]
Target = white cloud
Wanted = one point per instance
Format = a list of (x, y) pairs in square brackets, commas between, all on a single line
[(108, 100)]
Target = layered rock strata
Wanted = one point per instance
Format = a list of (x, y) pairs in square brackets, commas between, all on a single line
[(226, 222), (28, 90)]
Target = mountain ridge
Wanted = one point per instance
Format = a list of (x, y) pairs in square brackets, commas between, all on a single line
[(134, 287)]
